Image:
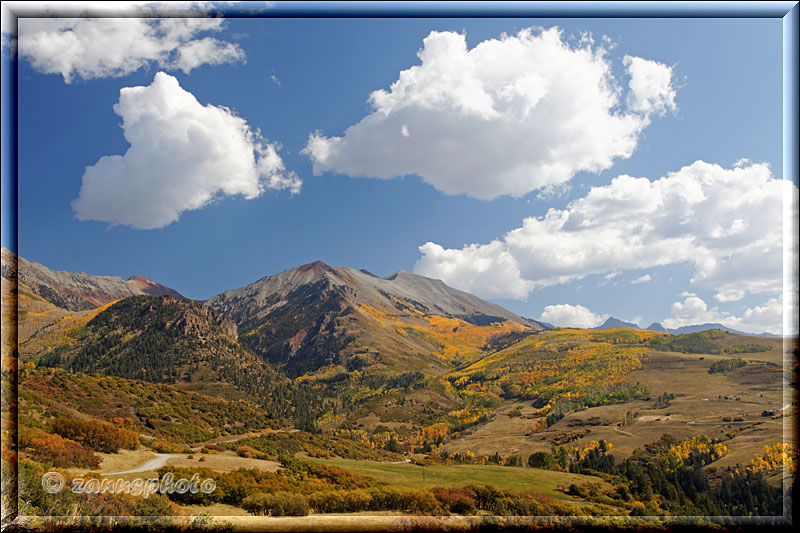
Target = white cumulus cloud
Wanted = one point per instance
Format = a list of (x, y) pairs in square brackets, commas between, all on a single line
[(571, 316), (727, 222), (643, 279), (111, 47), (512, 115), (182, 156), (651, 89)]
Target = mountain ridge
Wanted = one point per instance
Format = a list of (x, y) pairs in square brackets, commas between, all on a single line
[(695, 328), (612, 322), (445, 300), (77, 291), (330, 314)]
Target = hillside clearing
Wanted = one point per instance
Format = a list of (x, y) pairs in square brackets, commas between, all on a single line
[(518, 479)]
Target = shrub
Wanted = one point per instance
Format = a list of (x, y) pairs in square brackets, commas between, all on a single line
[(726, 365), (375, 499), (515, 460), (506, 502), (575, 490), (341, 501), (542, 460), (154, 505), (638, 510), (414, 501), (63, 453), (98, 435), (277, 504), (249, 453), (460, 500)]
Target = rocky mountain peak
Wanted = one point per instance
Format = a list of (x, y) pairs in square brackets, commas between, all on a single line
[(77, 291)]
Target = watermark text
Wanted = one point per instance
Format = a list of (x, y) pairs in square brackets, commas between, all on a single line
[(53, 483)]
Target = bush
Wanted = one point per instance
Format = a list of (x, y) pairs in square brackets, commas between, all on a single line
[(459, 500), (726, 365), (638, 510), (100, 436), (417, 501), (575, 490), (154, 505), (375, 499), (542, 460), (63, 453), (341, 501), (515, 460), (250, 453), (277, 504)]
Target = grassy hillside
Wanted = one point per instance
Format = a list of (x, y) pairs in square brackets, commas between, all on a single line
[(558, 370), (518, 479), (59, 334), (683, 399), (25, 311)]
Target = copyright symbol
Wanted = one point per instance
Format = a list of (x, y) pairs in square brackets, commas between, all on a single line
[(52, 482)]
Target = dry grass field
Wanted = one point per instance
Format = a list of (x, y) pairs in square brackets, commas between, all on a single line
[(505, 477), (223, 462), (713, 404)]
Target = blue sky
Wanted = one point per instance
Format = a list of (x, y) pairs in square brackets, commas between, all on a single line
[(286, 79)]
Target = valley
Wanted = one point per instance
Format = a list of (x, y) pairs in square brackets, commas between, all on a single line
[(331, 391)]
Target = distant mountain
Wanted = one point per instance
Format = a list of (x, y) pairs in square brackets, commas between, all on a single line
[(545, 325), (683, 330), (316, 315), (612, 322), (77, 292)]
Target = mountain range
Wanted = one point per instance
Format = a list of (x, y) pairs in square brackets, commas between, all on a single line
[(315, 322), (330, 315), (612, 322), (302, 319), (314, 347), (305, 317)]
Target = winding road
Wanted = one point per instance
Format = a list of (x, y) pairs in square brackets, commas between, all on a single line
[(153, 464)]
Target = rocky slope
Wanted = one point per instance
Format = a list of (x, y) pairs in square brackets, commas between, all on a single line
[(316, 315), (77, 292)]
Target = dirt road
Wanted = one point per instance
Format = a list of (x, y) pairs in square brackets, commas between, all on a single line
[(153, 464)]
